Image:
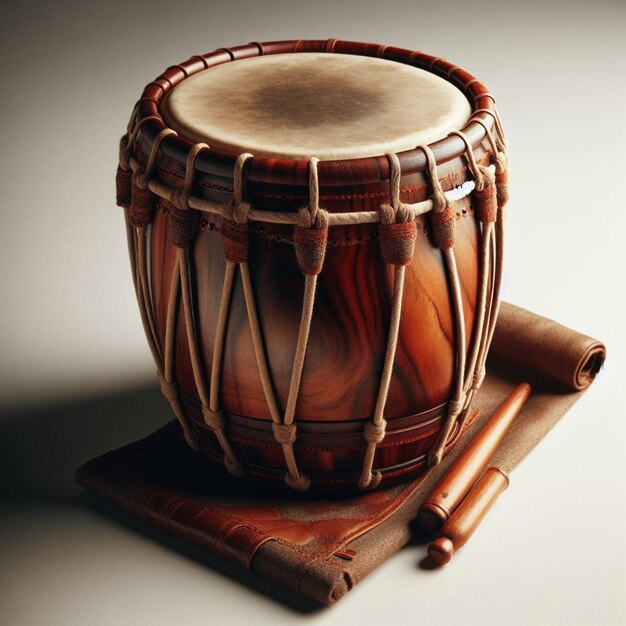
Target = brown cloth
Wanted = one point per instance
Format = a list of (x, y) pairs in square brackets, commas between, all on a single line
[(321, 547)]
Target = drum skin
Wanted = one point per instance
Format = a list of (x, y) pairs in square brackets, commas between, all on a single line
[(350, 323)]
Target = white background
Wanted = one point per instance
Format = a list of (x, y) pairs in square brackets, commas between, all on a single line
[(76, 376)]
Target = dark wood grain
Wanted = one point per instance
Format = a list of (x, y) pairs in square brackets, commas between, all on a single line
[(347, 342)]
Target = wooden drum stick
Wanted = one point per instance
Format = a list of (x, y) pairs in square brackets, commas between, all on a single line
[(469, 465), (464, 521)]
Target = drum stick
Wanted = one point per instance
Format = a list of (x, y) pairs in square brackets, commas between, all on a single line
[(463, 473), (465, 520)]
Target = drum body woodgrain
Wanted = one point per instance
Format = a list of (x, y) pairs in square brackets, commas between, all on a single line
[(437, 361)]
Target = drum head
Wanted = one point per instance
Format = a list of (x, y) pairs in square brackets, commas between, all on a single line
[(330, 106)]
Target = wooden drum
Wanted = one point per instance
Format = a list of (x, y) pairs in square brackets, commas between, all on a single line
[(315, 230)]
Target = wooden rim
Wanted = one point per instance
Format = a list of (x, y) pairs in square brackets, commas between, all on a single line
[(332, 173)]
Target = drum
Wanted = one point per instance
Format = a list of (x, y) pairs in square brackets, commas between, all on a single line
[(315, 231)]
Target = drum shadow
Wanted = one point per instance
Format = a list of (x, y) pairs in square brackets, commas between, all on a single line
[(41, 449)]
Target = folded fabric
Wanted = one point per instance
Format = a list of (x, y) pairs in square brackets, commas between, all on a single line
[(321, 546)]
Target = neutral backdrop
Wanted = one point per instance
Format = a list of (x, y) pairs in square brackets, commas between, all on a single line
[(76, 377)]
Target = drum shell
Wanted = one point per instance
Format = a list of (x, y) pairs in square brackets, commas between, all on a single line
[(348, 335)]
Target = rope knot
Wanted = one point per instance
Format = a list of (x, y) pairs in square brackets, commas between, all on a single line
[(486, 197), (479, 376), (397, 233), (443, 223), (310, 238), (169, 390), (317, 219), (213, 419), (234, 466), (300, 483), (386, 214), (182, 224), (235, 238), (456, 406), (141, 179), (373, 432), (182, 216), (123, 187), (484, 177), (180, 199), (124, 152), (142, 202), (372, 481), (285, 434), (441, 202), (500, 162), (404, 214), (502, 180), (240, 212), (498, 155)]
